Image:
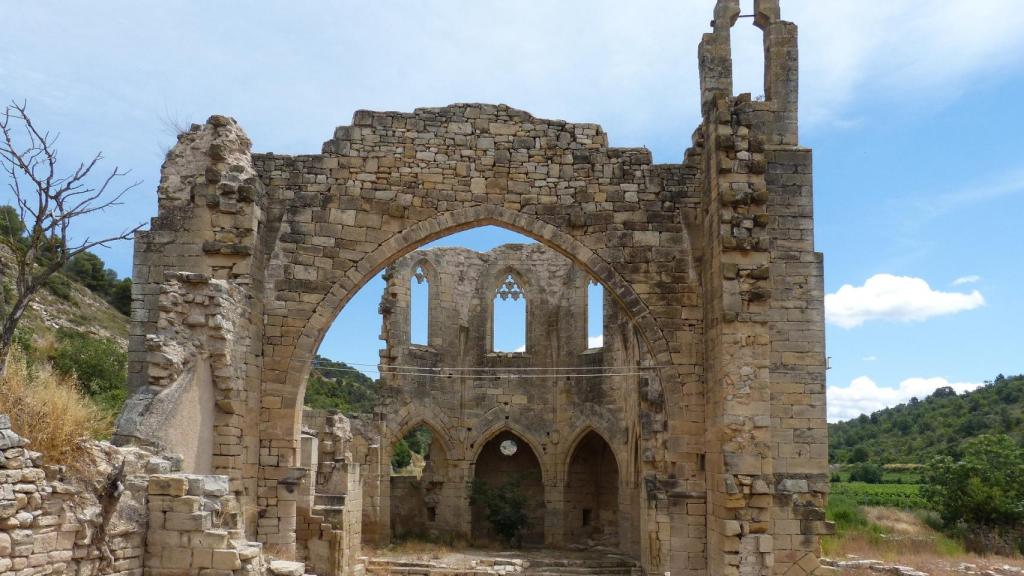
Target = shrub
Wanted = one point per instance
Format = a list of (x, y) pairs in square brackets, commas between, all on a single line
[(859, 454), (99, 365), (865, 472), (96, 362), (59, 286), (48, 409), (505, 508)]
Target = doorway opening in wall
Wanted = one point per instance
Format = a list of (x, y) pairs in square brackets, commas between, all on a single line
[(508, 494), (592, 494), (419, 478), (748, 62), (425, 364)]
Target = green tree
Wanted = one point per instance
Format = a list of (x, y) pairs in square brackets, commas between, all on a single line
[(505, 508), (401, 456), (11, 225), (419, 440), (983, 488), (866, 472), (337, 386), (858, 454), (121, 296)]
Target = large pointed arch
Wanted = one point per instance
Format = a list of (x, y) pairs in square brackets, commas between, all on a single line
[(444, 224)]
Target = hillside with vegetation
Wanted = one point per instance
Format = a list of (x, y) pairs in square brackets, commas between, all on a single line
[(951, 461), (338, 386), (915, 432)]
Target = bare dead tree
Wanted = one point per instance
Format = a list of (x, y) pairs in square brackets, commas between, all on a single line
[(48, 202)]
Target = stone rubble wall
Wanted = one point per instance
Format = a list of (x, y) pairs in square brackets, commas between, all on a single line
[(89, 521), (120, 512), (195, 528), (194, 275), (763, 313), (330, 504)]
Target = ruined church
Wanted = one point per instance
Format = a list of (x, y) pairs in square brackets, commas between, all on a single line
[(692, 441)]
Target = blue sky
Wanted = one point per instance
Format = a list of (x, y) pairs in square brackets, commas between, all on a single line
[(912, 113)]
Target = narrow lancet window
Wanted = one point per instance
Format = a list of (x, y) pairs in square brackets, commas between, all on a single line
[(509, 316), (419, 307), (595, 314)]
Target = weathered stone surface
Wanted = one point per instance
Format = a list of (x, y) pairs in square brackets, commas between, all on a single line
[(285, 568)]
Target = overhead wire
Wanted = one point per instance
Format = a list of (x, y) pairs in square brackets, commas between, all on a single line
[(496, 368), (504, 373)]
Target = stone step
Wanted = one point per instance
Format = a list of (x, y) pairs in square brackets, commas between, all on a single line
[(610, 566)]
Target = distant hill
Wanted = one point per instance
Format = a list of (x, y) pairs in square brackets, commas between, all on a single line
[(66, 303), (337, 386), (913, 433)]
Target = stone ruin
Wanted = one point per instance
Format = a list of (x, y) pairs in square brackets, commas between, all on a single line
[(715, 295), (570, 411)]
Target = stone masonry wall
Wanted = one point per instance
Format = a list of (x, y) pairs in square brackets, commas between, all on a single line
[(195, 528)]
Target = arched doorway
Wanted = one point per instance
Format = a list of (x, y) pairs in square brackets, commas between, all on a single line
[(507, 481), (420, 503), (592, 494)]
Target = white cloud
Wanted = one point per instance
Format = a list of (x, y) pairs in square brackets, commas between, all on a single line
[(520, 348), (595, 341), (973, 279), (897, 298), (870, 358), (864, 396)]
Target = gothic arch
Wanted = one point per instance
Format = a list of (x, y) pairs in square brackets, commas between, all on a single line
[(477, 446), (578, 437), (449, 223), (431, 418)]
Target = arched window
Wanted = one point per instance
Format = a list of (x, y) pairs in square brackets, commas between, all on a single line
[(419, 306), (595, 314), (508, 319)]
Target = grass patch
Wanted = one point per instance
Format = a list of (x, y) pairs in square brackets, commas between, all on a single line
[(49, 409), (885, 533)]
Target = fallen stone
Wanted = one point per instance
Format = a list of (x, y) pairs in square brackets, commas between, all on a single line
[(286, 568)]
